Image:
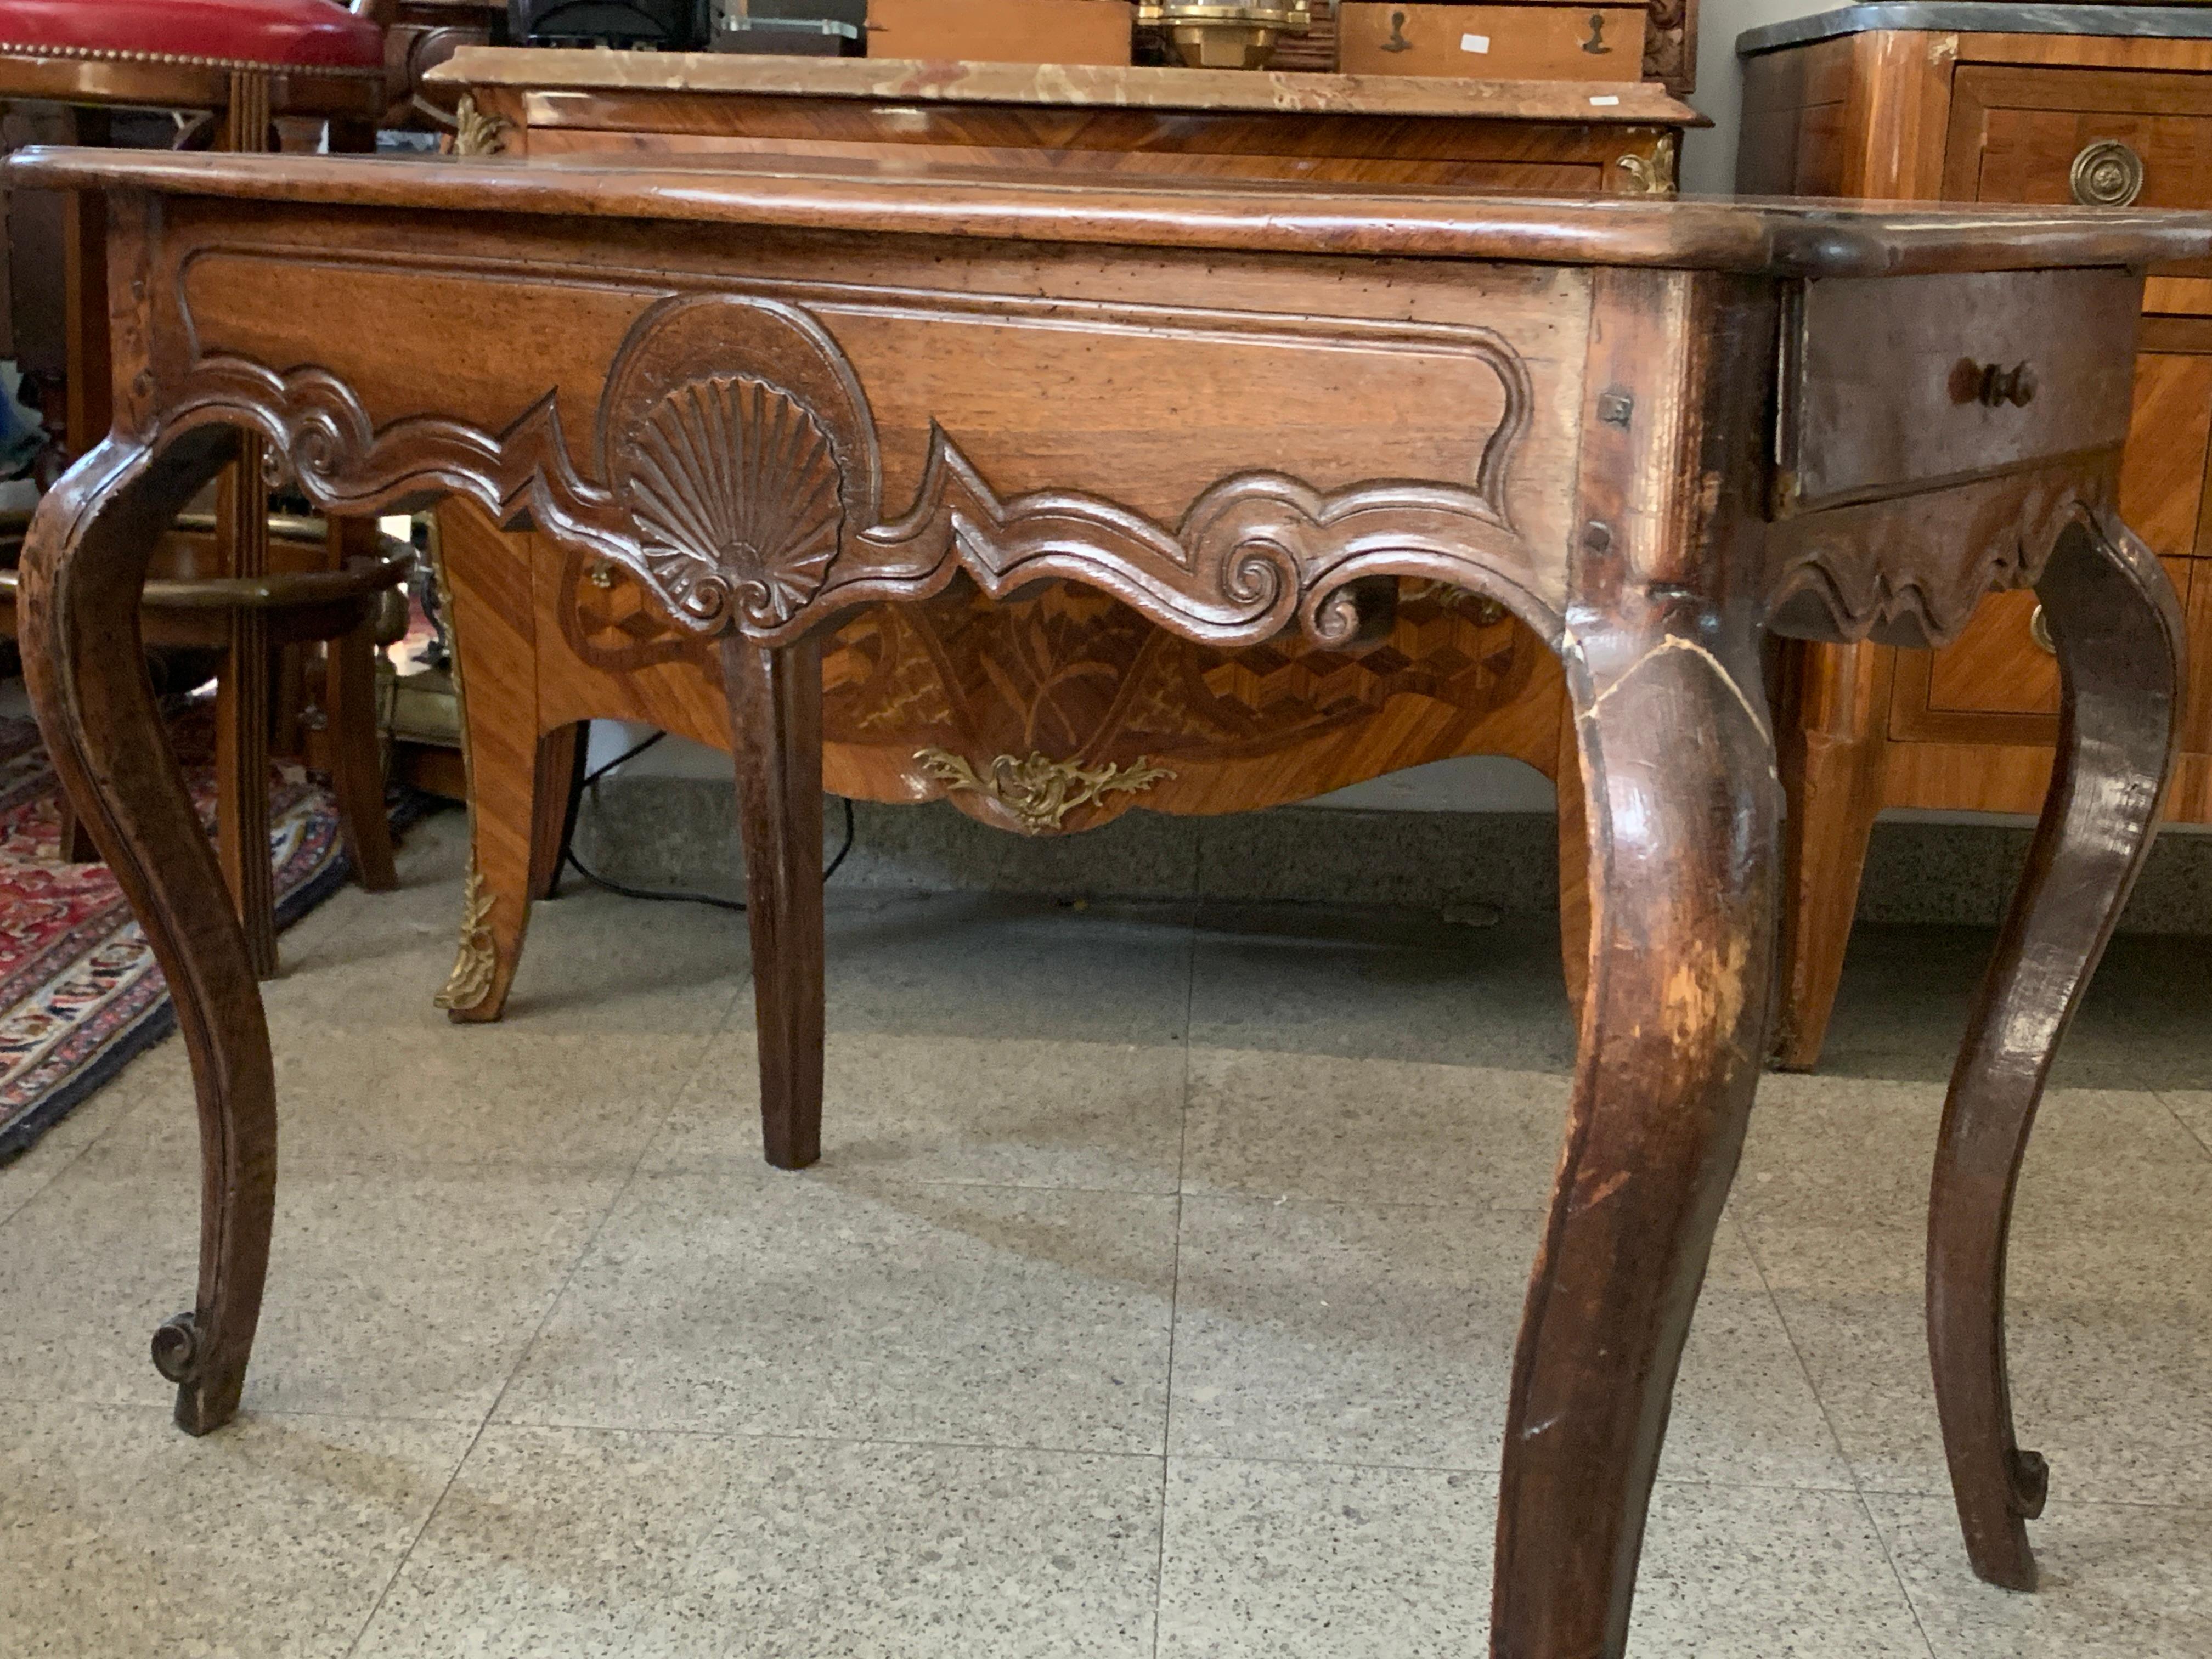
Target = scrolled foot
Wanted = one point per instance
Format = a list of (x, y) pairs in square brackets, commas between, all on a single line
[(207, 1387), (176, 1348), (2031, 1484)]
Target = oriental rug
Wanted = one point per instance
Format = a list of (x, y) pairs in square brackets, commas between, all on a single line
[(80, 993)]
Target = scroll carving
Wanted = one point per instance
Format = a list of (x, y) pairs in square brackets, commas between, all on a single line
[(743, 488)]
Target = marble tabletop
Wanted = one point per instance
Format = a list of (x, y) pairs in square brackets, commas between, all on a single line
[(567, 69), (1981, 17)]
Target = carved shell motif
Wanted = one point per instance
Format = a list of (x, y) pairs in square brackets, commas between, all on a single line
[(734, 486)]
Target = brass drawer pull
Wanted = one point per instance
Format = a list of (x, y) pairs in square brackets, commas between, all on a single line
[(2106, 173), (2039, 629), (1992, 385)]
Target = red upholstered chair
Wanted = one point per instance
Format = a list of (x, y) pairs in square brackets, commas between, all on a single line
[(238, 68)]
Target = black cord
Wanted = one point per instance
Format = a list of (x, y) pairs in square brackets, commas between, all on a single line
[(630, 753), (847, 847), (671, 896)]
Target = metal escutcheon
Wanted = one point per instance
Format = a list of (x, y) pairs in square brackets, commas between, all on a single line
[(2106, 173)]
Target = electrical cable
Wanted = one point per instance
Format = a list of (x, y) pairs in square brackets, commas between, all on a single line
[(659, 895)]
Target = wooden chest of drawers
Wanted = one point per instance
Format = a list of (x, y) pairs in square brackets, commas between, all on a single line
[(1844, 106)]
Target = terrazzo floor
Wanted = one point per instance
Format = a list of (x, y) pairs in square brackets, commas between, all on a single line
[(1155, 1295)]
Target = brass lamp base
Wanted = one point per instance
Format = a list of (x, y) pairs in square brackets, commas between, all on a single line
[(1207, 36)]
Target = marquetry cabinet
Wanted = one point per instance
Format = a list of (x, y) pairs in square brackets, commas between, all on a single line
[(1057, 709), (1843, 106)]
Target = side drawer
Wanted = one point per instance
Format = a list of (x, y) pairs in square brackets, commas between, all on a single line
[(1893, 384), (1998, 681)]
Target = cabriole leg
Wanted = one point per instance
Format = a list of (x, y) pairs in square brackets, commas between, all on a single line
[(2118, 629), (1678, 764), (84, 566), (484, 586), (775, 721)]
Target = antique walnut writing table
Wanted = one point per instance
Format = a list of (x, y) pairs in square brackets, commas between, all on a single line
[(1658, 431)]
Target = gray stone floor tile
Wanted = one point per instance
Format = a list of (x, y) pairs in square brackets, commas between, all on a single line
[(1329, 1562), (393, 1292), (750, 1300), (271, 1539), (1901, 1011), (1315, 979), (155, 1072), (1321, 1126), (1385, 1335), (592, 961), (971, 965), (451, 1094), (1011, 1111), (914, 1401), (581, 1544), (2119, 1581), (2109, 1285)]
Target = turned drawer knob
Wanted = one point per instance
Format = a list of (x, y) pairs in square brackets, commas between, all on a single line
[(1992, 385), (2107, 173), (2039, 629)]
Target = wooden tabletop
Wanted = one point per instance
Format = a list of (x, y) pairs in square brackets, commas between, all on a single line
[(546, 69), (1789, 236)]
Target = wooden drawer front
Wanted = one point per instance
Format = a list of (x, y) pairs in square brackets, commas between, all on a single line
[(1882, 392), (1997, 681), (2169, 441), (2016, 134), (1493, 43)]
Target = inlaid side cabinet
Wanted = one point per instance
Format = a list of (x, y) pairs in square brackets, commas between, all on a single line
[(1059, 710), (2017, 117)]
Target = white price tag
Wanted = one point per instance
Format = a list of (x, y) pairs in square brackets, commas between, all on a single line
[(1607, 99), (1474, 43)]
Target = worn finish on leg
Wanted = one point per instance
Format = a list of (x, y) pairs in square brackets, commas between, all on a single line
[(1683, 814), (775, 717), (2118, 629), (84, 564), (1682, 808), (1574, 870)]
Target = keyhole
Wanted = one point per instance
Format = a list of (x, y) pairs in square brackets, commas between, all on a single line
[(1397, 42), (1595, 45)]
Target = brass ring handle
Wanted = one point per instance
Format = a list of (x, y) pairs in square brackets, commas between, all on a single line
[(2106, 173), (2039, 629)]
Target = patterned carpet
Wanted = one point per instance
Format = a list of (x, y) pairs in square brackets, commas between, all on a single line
[(80, 994)]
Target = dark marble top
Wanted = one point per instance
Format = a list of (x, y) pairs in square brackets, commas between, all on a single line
[(1982, 17)]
